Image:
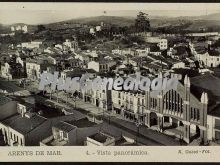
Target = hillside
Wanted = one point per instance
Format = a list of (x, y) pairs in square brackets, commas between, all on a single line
[(210, 17), (211, 21), (122, 21)]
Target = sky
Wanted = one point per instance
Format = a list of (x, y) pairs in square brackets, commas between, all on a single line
[(42, 13)]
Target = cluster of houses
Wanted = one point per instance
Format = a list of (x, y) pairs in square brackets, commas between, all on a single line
[(22, 28), (22, 125), (192, 108)]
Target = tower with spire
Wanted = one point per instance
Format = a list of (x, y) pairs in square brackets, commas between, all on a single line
[(186, 109), (203, 118)]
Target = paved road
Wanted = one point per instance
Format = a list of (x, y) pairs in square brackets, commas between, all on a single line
[(147, 133), (150, 135)]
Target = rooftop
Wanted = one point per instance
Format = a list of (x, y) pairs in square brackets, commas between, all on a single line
[(186, 71), (81, 123), (207, 81), (27, 101), (24, 125), (78, 72), (105, 61), (5, 111), (142, 59), (4, 99), (64, 126), (214, 52), (99, 137), (152, 39), (215, 111), (9, 86), (123, 142), (31, 60)]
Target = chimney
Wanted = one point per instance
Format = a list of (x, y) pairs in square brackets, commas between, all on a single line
[(204, 98), (160, 75), (186, 81)]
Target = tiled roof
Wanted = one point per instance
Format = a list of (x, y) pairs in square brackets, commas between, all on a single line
[(82, 123), (64, 126), (209, 82), (215, 111), (4, 100), (213, 52), (99, 137), (24, 125)]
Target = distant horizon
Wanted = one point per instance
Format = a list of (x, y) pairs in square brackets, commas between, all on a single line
[(45, 13)]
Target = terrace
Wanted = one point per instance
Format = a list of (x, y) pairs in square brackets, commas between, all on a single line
[(50, 141)]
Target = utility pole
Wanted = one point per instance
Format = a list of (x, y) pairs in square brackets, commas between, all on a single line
[(24, 83), (66, 96), (57, 97), (50, 93)]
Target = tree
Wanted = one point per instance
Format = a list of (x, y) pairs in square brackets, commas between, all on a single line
[(40, 28), (142, 23)]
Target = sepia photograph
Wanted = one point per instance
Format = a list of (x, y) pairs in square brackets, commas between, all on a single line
[(109, 74)]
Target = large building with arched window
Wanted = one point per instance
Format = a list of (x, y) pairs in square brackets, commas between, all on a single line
[(181, 112)]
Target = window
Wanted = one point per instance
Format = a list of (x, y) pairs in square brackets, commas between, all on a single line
[(191, 113), (21, 141), (194, 116), (65, 135), (198, 115), (138, 100)]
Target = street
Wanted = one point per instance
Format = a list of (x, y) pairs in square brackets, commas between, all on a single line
[(145, 135)]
